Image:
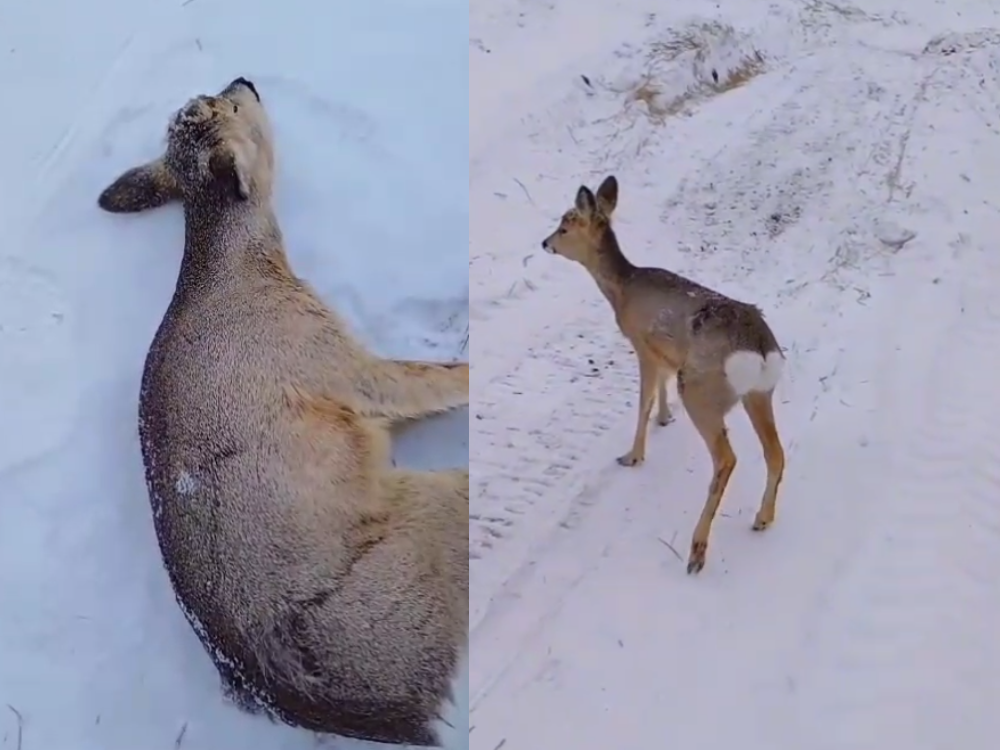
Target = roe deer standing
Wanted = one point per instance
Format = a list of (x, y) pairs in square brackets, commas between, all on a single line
[(330, 589), (722, 351)]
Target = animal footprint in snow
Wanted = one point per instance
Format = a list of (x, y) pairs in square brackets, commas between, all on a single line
[(892, 235)]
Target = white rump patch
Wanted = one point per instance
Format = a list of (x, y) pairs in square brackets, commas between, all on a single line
[(749, 371)]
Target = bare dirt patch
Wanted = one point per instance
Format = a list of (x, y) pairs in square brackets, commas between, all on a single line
[(688, 65)]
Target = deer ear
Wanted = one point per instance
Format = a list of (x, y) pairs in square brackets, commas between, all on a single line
[(227, 171), (586, 204), (607, 195), (140, 189)]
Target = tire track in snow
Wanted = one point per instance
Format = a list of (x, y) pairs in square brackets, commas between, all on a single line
[(905, 653), (909, 650), (531, 434)]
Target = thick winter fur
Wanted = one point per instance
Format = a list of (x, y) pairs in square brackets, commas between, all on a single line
[(722, 351), (330, 589)]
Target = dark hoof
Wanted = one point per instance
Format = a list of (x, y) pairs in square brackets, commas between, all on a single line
[(760, 524), (697, 559)]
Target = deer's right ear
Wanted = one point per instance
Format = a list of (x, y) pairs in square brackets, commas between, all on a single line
[(228, 169), (140, 189), (586, 204), (607, 195)]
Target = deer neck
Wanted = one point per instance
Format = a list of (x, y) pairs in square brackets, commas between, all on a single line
[(222, 238), (610, 268)]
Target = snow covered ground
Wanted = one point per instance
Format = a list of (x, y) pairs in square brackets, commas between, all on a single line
[(370, 115), (866, 616)]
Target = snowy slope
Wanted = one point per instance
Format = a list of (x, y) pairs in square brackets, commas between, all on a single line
[(369, 107), (865, 617)]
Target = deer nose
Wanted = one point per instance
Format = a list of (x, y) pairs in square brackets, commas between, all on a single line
[(241, 81)]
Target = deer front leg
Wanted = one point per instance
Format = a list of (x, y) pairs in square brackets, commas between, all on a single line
[(648, 380), (408, 389)]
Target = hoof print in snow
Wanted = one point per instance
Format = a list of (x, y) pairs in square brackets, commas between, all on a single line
[(779, 221)]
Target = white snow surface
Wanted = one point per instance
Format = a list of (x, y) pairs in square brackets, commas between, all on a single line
[(370, 119), (850, 188)]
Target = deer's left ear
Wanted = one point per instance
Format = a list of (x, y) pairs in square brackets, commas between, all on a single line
[(140, 189)]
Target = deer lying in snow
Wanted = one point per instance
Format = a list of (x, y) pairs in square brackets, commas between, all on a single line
[(330, 589), (722, 351)]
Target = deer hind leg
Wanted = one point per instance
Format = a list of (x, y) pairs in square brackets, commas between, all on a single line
[(760, 409), (648, 380), (439, 489), (663, 413), (434, 506), (405, 389), (707, 399)]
